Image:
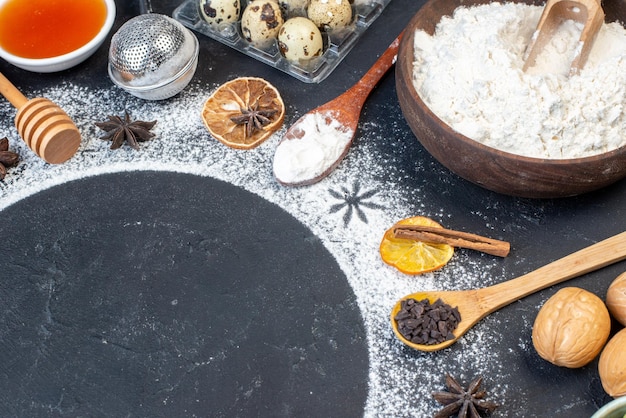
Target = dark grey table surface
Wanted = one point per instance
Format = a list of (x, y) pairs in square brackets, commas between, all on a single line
[(79, 340)]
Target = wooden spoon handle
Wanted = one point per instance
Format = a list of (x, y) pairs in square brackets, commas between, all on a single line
[(356, 95), (381, 66), (11, 93), (595, 19), (596, 256)]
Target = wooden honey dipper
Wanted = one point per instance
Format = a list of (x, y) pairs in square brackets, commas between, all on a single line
[(43, 125)]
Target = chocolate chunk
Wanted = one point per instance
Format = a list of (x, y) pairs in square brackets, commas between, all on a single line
[(424, 323)]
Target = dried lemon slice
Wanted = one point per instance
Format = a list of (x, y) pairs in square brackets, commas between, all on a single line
[(414, 257), (244, 112)]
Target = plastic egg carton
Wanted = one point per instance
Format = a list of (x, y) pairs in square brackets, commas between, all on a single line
[(337, 43)]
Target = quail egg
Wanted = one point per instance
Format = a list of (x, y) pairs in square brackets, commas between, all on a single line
[(260, 22), (300, 39), (218, 12), (330, 14)]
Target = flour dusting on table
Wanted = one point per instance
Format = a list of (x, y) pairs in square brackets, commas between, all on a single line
[(365, 203)]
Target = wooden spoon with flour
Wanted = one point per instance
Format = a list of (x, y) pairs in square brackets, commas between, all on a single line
[(315, 145)]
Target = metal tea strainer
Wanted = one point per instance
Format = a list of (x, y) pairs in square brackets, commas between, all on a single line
[(153, 56)]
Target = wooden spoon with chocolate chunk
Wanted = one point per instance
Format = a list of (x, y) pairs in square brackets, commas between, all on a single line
[(475, 304)]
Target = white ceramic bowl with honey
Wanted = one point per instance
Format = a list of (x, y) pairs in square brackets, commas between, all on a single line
[(61, 35)]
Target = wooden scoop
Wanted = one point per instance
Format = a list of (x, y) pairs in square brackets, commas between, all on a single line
[(43, 125), (587, 12), (475, 304)]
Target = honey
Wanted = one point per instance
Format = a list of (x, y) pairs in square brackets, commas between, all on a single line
[(49, 28)]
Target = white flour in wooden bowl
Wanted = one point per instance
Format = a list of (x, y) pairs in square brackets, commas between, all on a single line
[(470, 75)]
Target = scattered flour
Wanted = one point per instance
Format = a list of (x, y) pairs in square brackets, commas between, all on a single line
[(400, 379), (470, 74)]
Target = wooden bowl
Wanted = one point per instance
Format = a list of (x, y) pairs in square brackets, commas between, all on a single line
[(490, 168)]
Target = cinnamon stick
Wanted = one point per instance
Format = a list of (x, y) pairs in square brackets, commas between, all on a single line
[(455, 238)]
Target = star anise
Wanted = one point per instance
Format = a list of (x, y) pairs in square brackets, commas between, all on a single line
[(463, 403), (254, 118), (121, 130), (7, 158)]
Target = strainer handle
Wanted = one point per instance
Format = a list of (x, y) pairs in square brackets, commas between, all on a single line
[(145, 7)]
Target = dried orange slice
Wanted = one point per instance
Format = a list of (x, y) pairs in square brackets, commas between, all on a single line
[(244, 112), (414, 257)]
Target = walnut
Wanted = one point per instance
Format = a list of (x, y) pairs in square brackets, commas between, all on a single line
[(616, 299), (571, 328), (612, 365)]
